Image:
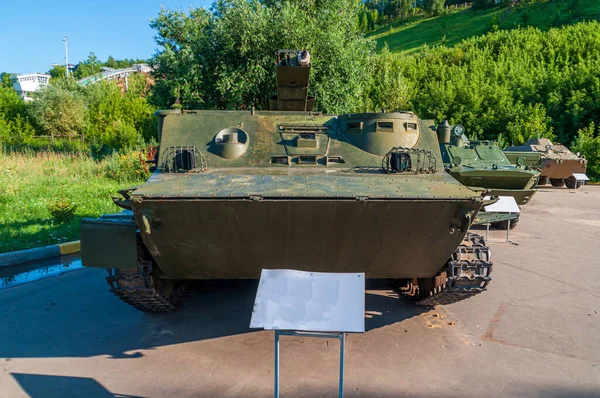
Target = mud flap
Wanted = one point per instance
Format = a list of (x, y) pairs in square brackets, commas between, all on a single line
[(109, 241)]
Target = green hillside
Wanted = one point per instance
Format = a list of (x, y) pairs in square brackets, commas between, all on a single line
[(414, 33)]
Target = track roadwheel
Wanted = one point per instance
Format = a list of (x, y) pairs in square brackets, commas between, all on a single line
[(542, 181), (557, 182), (420, 288), (146, 292)]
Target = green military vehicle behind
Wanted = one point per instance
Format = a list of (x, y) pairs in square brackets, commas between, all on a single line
[(238, 191), (554, 161), (483, 164)]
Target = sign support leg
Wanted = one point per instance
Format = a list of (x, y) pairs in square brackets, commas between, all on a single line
[(327, 335), (342, 343), (276, 373)]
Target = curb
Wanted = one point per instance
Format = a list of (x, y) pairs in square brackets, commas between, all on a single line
[(38, 253)]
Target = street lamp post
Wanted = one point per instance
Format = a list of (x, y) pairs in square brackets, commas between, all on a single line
[(66, 40)]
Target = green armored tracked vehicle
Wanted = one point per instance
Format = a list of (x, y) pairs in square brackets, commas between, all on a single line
[(238, 191), (483, 164)]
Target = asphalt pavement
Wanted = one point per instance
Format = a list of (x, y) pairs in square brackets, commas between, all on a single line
[(535, 332)]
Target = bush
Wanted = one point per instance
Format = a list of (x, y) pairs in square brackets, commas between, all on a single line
[(15, 122), (59, 112), (388, 89), (62, 210), (522, 83), (117, 120), (126, 167), (433, 7), (588, 144)]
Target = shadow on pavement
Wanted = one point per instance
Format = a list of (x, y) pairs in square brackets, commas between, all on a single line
[(74, 315), (38, 386), (48, 386)]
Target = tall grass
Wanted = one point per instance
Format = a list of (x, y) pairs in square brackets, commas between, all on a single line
[(31, 182), (456, 25)]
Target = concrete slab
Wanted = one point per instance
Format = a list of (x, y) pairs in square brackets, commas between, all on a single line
[(534, 333)]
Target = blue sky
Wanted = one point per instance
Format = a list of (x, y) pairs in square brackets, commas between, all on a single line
[(31, 31)]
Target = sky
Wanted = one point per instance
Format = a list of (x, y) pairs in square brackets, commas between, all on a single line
[(31, 31)]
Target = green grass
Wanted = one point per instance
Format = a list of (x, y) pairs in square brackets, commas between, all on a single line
[(415, 32), (30, 183)]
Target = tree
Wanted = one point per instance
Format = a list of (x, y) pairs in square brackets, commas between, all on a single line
[(59, 112), (373, 16), (116, 119), (363, 23), (433, 7), (482, 4), (398, 8), (5, 80), (57, 72), (89, 67), (388, 88), (224, 58), (14, 121), (588, 144)]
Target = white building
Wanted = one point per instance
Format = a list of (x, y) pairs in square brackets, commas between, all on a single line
[(31, 83)]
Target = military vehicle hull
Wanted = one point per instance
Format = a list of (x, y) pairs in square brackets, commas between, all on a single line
[(554, 161), (235, 192), (500, 181), (338, 212), (562, 169), (198, 237), (211, 239)]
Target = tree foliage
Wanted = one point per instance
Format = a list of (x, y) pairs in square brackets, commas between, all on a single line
[(91, 66), (15, 123), (522, 83), (59, 112), (433, 7), (588, 143), (5, 80), (102, 115), (117, 119), (225, 58), (398, 8), (482, 4), (388, 89)]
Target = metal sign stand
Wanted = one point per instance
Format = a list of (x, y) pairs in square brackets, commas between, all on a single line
[(340, 336), (505, 204), (580, 177), (508, 229), (310, 304)]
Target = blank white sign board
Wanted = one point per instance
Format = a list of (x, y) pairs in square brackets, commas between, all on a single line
[(506, 204), (580, 177), (310, 301)]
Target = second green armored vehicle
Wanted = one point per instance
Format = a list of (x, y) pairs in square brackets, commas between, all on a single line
[(483, 164), (236, 192)]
